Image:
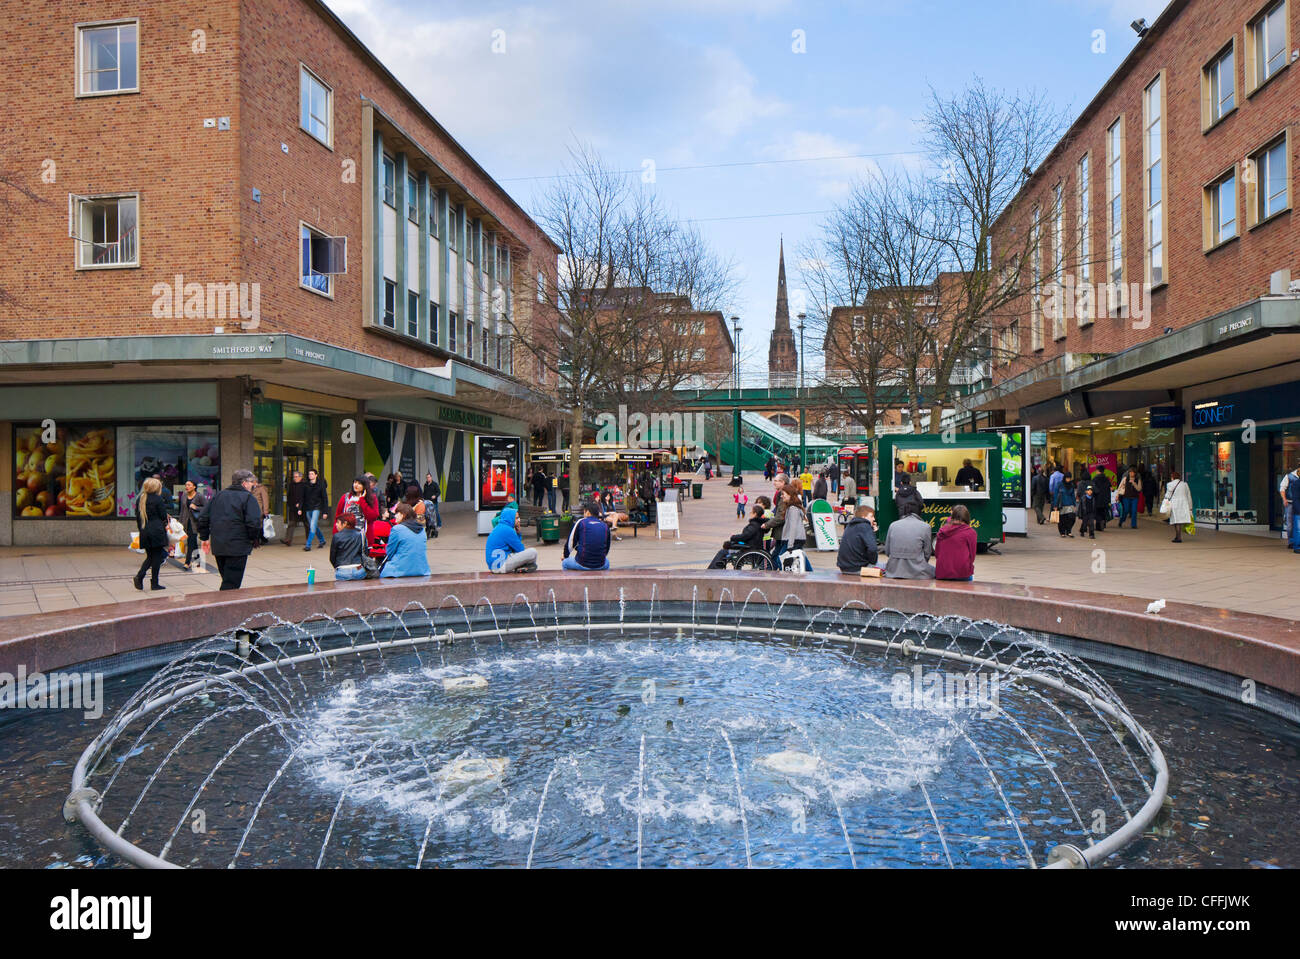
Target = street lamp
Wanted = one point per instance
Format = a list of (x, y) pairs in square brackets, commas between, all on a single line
[(735, 413), (735, 350), (803, 416)]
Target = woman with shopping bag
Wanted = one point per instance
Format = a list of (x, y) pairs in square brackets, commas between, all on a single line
[(191, 503), (1177, 505), (151, 519)]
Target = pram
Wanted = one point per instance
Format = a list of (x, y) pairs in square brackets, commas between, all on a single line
[(377, 534)]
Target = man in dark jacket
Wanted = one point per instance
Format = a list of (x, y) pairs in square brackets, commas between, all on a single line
[(1101, 496), (539, 486), (858, 548), (315, 504), (232, 523), (1038, 493), (819, 486), (296, 513), (751, 537)]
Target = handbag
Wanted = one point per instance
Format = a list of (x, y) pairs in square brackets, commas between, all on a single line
[(1055, 517)]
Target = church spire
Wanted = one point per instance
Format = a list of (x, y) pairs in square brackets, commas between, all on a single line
[(782, 303), (782, 355)]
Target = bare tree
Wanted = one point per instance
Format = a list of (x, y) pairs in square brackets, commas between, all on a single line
[(607, 328)]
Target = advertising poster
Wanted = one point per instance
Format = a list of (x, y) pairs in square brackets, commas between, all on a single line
[(1108, 463), (175, 455), (72, 474), (1015, 442), (499, 460)]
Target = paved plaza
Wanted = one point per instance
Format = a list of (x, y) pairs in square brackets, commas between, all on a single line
[(1224, 570)]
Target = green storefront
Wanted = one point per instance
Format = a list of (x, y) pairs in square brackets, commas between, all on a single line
[(932, 462)]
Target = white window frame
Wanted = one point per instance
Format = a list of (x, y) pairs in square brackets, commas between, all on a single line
[(1155, 136), (85, 243), (1261, 181), (306, 228), (80, 30), (305, 76), (1258, 34), (1115, 269), (1213, 205), (1213, 75)]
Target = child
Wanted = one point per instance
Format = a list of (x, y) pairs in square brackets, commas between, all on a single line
[(742, 500), (1088, 514)]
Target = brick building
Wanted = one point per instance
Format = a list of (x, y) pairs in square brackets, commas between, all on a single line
[(245, 244), (1165, 255)]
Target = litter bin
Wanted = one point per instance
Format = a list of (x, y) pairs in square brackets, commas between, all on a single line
[(548, 528), (697, 490)]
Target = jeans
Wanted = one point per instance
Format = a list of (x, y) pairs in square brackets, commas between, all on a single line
[(1128, 509), (313, 527), (550, 499), (1295, 529), (571, 563), (740, 511), (350, 572)]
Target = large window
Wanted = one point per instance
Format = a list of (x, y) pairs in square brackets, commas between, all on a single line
[(1268, 45), (452, 320), (433, 323), (1154, 151), (1115, 215), (108, 58), (323, 257), (314, 108), (106, 228), (390, 304), (1221, 210), (412, 199), (1085, 241), (1272, 195), (412, 313), (1058, 260), (390, 181), (1036, 282), (1219, 86)]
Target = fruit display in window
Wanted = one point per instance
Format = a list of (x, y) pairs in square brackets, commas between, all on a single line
[(73, 475)]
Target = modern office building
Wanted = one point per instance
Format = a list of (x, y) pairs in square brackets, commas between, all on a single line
[(1162, 326), (244, 244)]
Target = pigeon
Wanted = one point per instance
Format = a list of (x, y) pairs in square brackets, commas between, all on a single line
[(1156, 607)]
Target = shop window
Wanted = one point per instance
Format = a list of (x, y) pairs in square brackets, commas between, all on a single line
[(108, 58), (106, 230)]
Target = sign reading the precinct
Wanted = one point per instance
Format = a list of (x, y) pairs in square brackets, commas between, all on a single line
[(451, 414)]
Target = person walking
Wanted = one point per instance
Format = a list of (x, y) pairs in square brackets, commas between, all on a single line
[(407, 551), (1101, 498), (151, 521), (192, 503), (1178, 504), (1065, 506), (858, 547), (955, 547), (1289, 493), (432, 493), (1150, 486), (1054, 482), (1130, 494), (1088, 507), (819, 490), (538, 482), (806, 484), (315, 502), (296, 513), (232, 525), (348, 549), (1038, 493), (587, 548)]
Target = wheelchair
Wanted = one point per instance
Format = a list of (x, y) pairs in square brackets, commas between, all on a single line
[(748, 558)]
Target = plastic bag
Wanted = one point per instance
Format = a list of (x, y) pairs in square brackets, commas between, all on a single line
[(268, 528), (134, 545), (175, 531)]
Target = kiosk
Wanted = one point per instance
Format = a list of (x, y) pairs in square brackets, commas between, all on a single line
[(933, 465)]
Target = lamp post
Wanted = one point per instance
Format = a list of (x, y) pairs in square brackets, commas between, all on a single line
[(803, 445), (735, 412)]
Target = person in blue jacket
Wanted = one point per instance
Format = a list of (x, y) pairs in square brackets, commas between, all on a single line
[(505, 551), (588, 545), (407, 553)]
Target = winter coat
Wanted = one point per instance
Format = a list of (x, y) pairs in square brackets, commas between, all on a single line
[(367, 513), (232, 522), (954, 551), (189, 512), (263, 497), (153, 529), (589, 542), (794, 532), (503, 540), (315, 496), (347, 548), (909, 546), (819, 488), (296, 491), (1038, 488), (906, 494), (1064, 500), (751, 537), (858, 546), (1179, 495), (407, 553), (431, 491)]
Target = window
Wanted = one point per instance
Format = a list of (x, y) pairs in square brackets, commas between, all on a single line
[(1221, 210), (412, 313), (500, 343), (1270, 187), (314, 106), (1219, 86), (1058, 260), (1085, 304), (390, 304), (485, 352), (1036, 291), (541, 287), (435, 211), (323, 257), (108, 58), (471, 243), (1153, 147), (413, 199), (469, 339), (433, 323), (1115, 215), (106, 228), (390, 181), (859, 323), (452, 320), (1268, 45)]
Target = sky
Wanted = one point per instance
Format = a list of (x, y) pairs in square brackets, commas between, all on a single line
[(752, 118)]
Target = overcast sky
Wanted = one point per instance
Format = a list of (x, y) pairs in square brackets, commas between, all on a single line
[(719, 85)]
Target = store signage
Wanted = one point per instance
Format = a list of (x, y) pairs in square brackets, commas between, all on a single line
[(243, 350), (1038, 438), (1213, 413), (451, 414), (1165, 417)]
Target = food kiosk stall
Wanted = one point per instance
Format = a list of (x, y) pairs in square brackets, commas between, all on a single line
[(933, 466), (610, 468), (856, 475)]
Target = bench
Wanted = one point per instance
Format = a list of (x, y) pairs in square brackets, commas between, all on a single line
[(529, 514)]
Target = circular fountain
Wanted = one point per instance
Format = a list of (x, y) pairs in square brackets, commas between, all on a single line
[(559, 735)]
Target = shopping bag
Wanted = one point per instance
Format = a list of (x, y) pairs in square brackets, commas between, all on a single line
[(134, 545), (178, 548), (268, 528), (1055, 517), (175, 531), (1190, 529)]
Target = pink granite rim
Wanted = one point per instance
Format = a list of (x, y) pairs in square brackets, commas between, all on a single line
[(1261, 648)]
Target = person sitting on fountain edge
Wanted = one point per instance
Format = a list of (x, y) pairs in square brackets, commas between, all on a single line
[(858, 548), (587, 547), (505, 551), (751, 537)]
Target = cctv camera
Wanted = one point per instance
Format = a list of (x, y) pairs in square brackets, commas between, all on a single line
[(1140, 26)]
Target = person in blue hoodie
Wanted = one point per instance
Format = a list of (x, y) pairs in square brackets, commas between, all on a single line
[(505, 551), (407, 553)]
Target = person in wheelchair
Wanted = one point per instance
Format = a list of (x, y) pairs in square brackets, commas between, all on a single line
[(749, 538)]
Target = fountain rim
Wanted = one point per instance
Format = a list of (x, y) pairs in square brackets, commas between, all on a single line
[(82, 799)]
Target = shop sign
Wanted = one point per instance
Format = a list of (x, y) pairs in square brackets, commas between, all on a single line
[(1038, 438), (1166, 417), (450, 414), (1213, 413)]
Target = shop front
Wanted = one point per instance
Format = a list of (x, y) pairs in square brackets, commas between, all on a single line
[(1113, 444), (297, 431), (1237, 448)]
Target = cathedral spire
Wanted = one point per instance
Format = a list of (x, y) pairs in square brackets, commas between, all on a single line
[(782, 303), (782, 355)]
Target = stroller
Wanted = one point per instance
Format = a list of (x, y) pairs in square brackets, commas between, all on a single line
[(377, 534)]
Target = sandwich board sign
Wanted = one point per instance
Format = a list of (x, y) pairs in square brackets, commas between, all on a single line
[(666, 519), (823, 524)]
